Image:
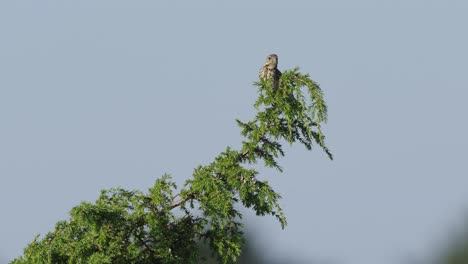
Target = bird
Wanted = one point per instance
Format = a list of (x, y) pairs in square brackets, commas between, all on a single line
[(270, 71)]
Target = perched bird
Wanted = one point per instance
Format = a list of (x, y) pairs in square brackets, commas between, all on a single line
[(270, 71)]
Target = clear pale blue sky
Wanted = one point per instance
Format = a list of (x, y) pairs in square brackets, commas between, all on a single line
[(100, 94)]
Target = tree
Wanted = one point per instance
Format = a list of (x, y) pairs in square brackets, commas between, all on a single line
[(167, 224), (455, 247)]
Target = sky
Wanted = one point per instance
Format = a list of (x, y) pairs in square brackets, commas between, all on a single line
[(101, 94)]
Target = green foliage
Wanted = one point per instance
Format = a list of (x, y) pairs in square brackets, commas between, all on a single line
[(163, 227), (455, 247)]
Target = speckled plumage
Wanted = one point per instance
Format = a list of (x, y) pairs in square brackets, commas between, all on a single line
[(270, 71)]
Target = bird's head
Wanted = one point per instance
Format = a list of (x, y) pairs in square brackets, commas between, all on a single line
[(271, 61)]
